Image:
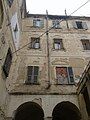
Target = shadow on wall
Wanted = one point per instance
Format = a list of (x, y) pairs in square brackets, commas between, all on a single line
[(29, 111), (66, 111)]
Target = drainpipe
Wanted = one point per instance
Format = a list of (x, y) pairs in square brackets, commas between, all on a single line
[(48, 52), (66, 19)]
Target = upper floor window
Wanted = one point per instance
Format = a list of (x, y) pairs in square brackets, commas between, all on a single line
[(64, 75), (86, 44), (58, 44), (15, 31), (56, 24), (38, 23), (35, 43), (80, 25), (7, 63), (32, 74), (10, 2)]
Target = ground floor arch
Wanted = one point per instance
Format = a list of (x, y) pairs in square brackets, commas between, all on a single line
[(29, 111), (66, 111)]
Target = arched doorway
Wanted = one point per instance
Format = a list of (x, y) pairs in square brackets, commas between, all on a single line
[(66, 111), (29, 111)]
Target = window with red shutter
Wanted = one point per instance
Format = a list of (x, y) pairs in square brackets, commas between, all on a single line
[(64, 75)]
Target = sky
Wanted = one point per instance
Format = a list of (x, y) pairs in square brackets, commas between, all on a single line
[(57, 7)]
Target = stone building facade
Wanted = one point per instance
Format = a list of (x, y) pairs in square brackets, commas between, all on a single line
[(10, 18), (83, 92), (42, 63)]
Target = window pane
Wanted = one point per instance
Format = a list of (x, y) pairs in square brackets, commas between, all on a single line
[(56, 24), (38, 23), (58, 44), (35, 79), (29, 77), (35, 43)]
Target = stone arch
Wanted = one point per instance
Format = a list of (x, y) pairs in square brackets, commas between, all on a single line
[(29, 111), (66, 111), (1, 13)]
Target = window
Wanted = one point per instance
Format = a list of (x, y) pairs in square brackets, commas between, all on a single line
[(15, 31), (38, 23), (10, 2), (80, 25), (87, 100), (7, 63), (1, 14), (64, 75), (58, 44), (56, 24), (86, 44), (35, 43), (32, 74)]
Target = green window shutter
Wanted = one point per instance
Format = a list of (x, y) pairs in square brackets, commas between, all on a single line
[(70, 71), (36, 69), (29, 73), (7, 63), (32, 74)]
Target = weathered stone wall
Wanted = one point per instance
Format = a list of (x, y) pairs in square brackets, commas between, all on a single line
[(73, 55), (46, 94), (47, 102), (84, 84), (6, 41)]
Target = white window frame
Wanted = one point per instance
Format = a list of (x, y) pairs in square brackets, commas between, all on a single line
[(84, 25), (56, 24), (58, 44), (39, 23), (35, 43)]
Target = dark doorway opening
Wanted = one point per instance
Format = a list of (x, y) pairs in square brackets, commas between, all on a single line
[(66, 111), (29, 111)]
